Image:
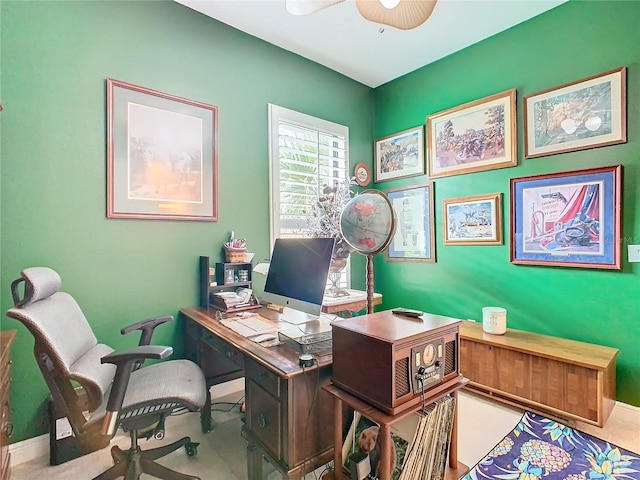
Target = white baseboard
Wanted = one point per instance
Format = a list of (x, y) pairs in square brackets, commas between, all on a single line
[(227, 388), (630, 408), (29, 449), (37, 447)]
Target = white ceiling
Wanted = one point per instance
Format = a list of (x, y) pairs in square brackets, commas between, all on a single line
[(339, 38)]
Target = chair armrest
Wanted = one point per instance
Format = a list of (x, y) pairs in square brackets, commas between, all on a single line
[(124, 360), (154, 352), (146, 328)]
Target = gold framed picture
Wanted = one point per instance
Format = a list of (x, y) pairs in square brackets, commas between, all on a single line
[(473, 137)]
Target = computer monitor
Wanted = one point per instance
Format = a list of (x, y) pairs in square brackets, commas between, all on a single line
[(297, 277)]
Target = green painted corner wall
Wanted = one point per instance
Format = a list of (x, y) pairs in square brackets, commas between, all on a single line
[(570, 42), (56, 57)]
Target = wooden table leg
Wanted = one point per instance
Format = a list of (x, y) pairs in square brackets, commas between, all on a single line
[(254, 462), (337, 438), (453, 445), (385, 452)]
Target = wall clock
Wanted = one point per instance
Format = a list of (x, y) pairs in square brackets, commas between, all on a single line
[(362, 173)]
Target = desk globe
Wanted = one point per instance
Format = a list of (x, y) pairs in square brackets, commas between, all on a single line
[(367, 223)]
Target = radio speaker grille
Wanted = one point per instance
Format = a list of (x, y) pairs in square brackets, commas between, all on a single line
[(403, 386), (450, 358)]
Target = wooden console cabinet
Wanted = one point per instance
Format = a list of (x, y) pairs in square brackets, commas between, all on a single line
[(6, 339), (565, 378)]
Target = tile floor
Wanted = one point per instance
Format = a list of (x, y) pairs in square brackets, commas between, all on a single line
[(221, 454)]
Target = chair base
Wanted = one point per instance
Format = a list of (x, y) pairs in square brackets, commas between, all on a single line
[(131, 463)]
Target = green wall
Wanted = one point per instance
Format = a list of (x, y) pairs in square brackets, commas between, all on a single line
[(57, 55), (570, 42), (55, 59)]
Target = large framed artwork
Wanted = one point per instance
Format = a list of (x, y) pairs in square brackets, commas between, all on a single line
[(475, 136), (161, 155), (475, 220), (569, 219), (400, 155), (414, 238), (585, 114)]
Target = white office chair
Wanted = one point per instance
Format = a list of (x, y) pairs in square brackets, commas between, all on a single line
[(119, 393)]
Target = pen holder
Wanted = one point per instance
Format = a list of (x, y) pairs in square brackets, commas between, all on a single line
[(235, 255)]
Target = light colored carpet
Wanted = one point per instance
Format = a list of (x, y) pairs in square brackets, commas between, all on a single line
[(222, 452)]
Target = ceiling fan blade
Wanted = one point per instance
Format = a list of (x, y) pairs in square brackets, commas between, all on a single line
[(305, 7), (407, 15)]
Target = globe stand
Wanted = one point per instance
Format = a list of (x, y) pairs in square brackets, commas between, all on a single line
[(367, 224), (369, 284)]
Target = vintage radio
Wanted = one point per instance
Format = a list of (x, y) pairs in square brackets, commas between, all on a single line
[(390, 360)]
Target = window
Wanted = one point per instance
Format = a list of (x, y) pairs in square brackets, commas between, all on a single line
[(306, 154)]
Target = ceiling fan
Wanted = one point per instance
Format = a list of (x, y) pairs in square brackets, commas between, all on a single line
[(401, 14)]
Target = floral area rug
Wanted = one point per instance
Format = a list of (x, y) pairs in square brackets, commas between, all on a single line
[(540, 448)]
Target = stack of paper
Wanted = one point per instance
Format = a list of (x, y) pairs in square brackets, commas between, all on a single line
[(229, 298)]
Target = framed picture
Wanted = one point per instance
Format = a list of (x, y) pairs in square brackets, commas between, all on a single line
[(476, 136), (400, 155), (363, 436), (567, 219), (584, 114), (362, 174), (473, 220), (162, 155), (414, 236)]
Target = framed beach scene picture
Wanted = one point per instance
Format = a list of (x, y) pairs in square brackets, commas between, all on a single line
[(162, 155), (584, 114)]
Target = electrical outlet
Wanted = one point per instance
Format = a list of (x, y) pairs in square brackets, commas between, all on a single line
[(634, 253)]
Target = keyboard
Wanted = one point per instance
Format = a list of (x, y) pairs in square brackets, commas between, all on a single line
[(250, 326)]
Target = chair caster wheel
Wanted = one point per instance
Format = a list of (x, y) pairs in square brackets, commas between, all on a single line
[(191, 449)]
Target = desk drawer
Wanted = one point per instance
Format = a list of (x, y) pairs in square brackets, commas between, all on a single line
[(263, 418), (264, 377), (222, 347)]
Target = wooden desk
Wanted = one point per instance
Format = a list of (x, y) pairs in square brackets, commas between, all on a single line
[(348, 304), (279, 393), (455, 470)]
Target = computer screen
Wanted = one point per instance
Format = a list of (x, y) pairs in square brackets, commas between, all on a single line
[(297, 277)]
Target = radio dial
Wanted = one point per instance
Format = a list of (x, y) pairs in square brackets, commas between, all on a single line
[(429, 354)]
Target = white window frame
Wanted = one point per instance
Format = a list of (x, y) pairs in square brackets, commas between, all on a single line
[(279, 114)]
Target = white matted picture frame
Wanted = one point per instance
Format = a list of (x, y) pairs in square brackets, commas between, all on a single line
[(588, 113), (414, 238), (474, 220), (473, 137), (399, 155), (162, 155)]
